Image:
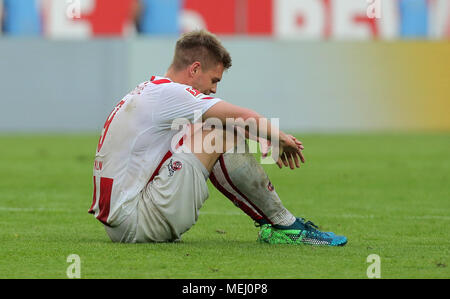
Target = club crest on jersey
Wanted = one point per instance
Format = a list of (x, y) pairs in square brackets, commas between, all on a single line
[(174, 166)]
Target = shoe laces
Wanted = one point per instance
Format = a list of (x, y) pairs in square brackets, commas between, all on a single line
[(311, 227)]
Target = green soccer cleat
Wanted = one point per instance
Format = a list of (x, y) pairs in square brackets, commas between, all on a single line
[(300, 232)]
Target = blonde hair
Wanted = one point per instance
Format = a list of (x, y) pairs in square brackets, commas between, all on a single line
[(202, 46)]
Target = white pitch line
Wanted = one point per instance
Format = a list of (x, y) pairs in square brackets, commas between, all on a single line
[(9, 209), (237, 213)]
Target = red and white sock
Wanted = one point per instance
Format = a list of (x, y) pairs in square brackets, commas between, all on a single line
[(242, 180)]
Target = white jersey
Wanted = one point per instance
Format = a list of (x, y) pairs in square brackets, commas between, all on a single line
[(136, 139)]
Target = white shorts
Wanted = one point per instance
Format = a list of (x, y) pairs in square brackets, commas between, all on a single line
[(169, 205)]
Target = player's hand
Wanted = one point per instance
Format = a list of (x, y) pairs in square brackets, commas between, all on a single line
[(290, 152), (265, 146)]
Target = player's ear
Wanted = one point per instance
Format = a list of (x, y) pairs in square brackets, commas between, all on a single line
[(194, 68)]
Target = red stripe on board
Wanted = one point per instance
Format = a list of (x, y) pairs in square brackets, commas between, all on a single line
[(328, 27), (371, 23), (91, 211), (259, 17), (218, 15), (106, 185), (241, 205), (161, 81), (152, 78), (227, 177), (208, 98)]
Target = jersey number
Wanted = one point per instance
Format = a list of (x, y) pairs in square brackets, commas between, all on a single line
[(193, 91), (107, 123)]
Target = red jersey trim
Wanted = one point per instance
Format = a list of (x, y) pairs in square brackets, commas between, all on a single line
[(106, 185), (164, 159), (91, 210), (161, 81)]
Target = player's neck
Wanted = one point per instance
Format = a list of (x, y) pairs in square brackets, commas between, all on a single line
[(178, 76)]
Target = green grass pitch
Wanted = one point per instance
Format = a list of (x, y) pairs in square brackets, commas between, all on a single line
[(388, 193)]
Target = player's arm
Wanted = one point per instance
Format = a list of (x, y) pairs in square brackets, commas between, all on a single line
[(291, 148)]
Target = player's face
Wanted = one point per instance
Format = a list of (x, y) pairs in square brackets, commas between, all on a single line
[(206, 80)]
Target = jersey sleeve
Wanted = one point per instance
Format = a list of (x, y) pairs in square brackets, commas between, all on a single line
[(183, 102)]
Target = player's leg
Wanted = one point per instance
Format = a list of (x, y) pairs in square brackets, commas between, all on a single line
[(171, 202), (243, 180), (238, 175)]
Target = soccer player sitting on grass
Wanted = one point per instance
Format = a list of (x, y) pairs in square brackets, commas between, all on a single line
[(150, 179)]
